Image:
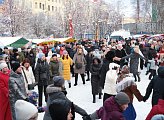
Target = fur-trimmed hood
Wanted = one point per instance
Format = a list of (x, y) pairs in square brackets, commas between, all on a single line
[(51, 89)]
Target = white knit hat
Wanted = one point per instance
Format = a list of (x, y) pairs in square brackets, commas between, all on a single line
[(2, 65), (24, 110)]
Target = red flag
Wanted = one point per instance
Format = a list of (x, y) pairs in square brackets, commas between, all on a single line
[(70, 27)]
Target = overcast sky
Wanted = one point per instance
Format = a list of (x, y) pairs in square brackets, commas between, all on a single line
[(125, 6)]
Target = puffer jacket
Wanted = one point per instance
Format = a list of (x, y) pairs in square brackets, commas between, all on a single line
[(17, 90)]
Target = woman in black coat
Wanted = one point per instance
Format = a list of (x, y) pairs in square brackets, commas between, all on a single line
[(42, 76), (157, 85), (95, 78)]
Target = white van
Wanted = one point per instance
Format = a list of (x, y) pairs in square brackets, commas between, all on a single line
[(120, 35)]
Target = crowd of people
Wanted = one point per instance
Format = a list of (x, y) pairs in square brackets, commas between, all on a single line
[(112, 67)]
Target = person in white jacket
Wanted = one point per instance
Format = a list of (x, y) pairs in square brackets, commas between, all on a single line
[(27, 74), (110, 81)]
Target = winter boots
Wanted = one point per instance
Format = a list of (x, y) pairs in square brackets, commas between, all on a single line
[(100, 95), (69, 85)]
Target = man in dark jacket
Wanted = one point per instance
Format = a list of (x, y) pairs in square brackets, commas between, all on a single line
[(156, 84)]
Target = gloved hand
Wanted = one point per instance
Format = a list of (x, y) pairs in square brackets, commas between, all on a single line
[(144, 99), (86, 117), (27, 99)]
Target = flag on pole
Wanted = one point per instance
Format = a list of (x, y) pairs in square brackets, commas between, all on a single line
[(70, 26)]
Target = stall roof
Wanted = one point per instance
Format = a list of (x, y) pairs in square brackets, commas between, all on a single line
[(8, 40), (69, 39)]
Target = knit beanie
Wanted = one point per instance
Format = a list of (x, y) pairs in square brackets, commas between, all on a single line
[(40, 55), (65, 52), (59, 109), (58, 81), (122, 98), (3, 65), (24, 110), (15, 66)]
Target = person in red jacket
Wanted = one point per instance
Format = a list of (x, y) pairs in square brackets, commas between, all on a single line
[(156, 109), (5, 112)]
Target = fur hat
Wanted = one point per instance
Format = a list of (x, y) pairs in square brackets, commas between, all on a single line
[(3, 65), (58, 81), (59, 109), (24, 110), (122, 98)]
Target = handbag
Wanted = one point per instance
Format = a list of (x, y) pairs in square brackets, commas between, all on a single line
[(30, 86), (78, 65)]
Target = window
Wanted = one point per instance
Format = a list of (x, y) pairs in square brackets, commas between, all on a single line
[(43, 6), (52, 8), (36, 5), (40, 5), (48, 7)]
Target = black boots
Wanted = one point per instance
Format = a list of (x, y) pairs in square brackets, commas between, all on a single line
[(69, 85), (94, 98), (83, 78), (100, 95)]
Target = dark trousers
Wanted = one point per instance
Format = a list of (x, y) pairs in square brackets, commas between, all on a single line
[(152, 74), (76, 78), (40, 90), (135, 76), (88, 76), (72, 70), (106, 96)]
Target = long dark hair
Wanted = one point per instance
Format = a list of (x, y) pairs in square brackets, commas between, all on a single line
[(63, 57)]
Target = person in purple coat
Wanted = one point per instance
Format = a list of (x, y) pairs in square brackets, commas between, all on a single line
[(112, 109)]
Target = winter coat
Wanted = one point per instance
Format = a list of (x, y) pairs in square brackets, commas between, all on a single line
[(120, 53), (134, 61), (156, 84), (156, 109), (17, 90), (95, 78), (79, 58), (110, 80), (42, 72), (88, 58), (128, 86), (56, 93), (29, 75), (55, 68), (5, 112), (110, 111), (152, 53), (104, 69), (66, 68)]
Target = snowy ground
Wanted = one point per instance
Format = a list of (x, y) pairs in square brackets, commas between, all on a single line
[(81, 95)]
